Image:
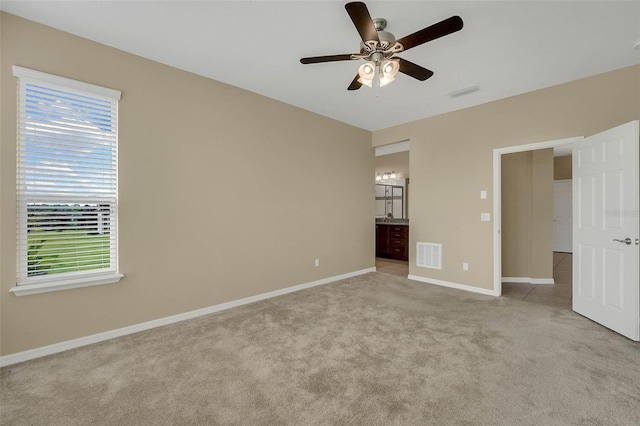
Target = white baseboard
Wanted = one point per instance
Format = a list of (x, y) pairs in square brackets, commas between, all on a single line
[(527, 280), (488, 292), (100, 337)]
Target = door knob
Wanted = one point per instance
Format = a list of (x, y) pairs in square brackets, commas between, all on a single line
[(627, 241)]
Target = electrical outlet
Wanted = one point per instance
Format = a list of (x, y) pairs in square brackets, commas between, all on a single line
[(483, 195), (485, 217), (465, 266), (317, 262)]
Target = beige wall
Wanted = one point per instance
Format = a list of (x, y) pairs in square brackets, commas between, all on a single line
[(562, 168), (516, 213), (527, 214), (224, 194), (451, 161), (541, 260)]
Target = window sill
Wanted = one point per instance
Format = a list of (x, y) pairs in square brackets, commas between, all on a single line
[(28, 289)]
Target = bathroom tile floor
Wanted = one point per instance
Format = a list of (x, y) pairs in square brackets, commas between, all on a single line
[(392, 266), (558, 294)]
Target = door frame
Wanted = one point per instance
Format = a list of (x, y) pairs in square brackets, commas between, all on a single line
[(497, 198)]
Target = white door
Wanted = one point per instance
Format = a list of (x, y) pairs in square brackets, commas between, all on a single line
[(605, 218), (562, 217)]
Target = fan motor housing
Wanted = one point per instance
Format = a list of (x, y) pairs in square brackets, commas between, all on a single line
[(387, 40)]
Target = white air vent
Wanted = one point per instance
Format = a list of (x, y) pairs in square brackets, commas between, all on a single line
[(429, 255)]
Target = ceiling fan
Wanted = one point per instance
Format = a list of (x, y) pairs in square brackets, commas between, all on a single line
[(379, 47)]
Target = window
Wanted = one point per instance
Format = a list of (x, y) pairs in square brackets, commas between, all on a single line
[(67, 191)]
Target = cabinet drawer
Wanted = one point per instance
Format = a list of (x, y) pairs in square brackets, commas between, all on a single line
[(395, 229), (400, 253), (398, 243), (398, 235)]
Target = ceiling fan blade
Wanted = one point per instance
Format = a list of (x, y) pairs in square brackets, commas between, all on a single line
[(441, 29), (329, 58), (359, 14), (355, 84), (414, 70)]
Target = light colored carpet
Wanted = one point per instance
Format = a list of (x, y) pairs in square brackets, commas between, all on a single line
[(370, 350)]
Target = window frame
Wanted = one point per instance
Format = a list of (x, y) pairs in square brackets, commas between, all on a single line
[(26, 284)]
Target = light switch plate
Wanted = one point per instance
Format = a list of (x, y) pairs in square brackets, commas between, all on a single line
[(485, 217), (483, 195)]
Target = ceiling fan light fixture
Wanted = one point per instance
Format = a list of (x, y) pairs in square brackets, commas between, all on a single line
[(368, 83), (385, 80), (388, 70), (377, 47), (366, 72), (390, 67)]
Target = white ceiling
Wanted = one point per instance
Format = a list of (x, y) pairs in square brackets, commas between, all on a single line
[(505, 47)]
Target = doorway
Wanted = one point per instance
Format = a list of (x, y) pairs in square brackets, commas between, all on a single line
[(605, 210), (392, 198), (497, 210), (536, 222)]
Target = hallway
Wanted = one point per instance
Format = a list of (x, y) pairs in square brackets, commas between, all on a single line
[(558, 294)]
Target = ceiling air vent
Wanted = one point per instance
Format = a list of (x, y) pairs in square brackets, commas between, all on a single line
[(464, 91), (429, 255)]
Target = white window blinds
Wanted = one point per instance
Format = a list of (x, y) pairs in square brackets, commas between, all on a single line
[(67, 191)]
